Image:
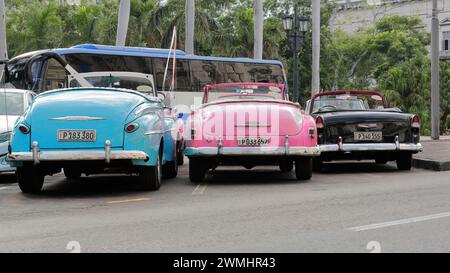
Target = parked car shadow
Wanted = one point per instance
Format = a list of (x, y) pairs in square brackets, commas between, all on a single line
[(256, 176), (8, 178), (358, 167), (92, 186)]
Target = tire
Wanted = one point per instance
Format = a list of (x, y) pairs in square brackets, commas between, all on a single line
[(404, 162), (170, 170), (197, 170), (317, 165), (30, 179), (151, 177), (304, 168), (180, 154), (287, 166), (72, 173)]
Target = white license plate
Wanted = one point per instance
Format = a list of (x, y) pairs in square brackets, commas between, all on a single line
[(368, 136), (253, 141), (77, 135)]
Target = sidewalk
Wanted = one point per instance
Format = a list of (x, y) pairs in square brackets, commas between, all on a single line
[(435, 155)]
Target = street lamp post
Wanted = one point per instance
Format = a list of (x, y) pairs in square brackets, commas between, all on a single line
[(296, 27)]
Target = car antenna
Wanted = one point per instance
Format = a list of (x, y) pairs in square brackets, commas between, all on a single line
[(173, 46)]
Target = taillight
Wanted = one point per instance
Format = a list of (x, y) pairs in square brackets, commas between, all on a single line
[(415, 122), (319, 123), (24, 129), (131, 128)]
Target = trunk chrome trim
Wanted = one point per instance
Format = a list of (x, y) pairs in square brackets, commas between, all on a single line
[(362, 147), (252, 151), (84, 155), (77, 118)]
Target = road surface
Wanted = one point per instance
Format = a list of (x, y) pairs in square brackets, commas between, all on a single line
[(358, 207)]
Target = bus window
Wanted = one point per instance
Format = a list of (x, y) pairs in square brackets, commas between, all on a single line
[(264, 73), (17, 74), (235, 72), (55, 76), (84, 63), (159, 66), (203, 73), (183, 79)]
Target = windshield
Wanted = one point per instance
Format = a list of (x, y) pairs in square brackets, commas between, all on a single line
[(14, 103), (255, 92), (126, 82), (347, 102)]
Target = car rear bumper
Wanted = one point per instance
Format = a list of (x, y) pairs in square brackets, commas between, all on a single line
[(106, 155), (252, 151), (366, 147)]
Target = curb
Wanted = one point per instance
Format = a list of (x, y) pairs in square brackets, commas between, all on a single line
[(428, 164)]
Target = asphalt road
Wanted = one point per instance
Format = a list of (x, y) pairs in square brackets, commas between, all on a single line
[(349, 208)]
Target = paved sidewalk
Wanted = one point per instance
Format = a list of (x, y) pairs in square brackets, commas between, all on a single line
[(435, 155)]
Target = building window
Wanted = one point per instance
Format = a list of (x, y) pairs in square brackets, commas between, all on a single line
[(445, 40)]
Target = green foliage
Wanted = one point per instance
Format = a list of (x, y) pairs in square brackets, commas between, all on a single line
[(391, 56)]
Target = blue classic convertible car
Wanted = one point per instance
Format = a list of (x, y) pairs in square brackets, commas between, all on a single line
[(91, 130)]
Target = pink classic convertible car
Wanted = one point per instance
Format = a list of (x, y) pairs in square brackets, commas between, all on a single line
[(250, 124)]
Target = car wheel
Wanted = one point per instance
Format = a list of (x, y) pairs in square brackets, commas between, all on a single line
[(317, 165), (180, 154), (286, 166), (151, 177), (404, 162), (72, 173), (303, 168), (197, 170), (30, 179), (170, 169)]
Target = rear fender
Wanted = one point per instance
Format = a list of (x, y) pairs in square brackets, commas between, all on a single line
[(146, 138)]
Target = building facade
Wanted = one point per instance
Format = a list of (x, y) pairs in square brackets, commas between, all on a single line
[(356, 15)]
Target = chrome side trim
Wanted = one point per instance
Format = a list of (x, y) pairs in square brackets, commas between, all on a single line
[(253, 151), (155, 132), (361, 147), (77, 118), (79, 156)]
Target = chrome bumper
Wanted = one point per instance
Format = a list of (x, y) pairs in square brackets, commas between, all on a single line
[(362, 147), (253, 151), (83, 155)]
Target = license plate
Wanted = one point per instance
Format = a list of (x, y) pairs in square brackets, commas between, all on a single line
[(250, 141), (77, 135), (368, 136)]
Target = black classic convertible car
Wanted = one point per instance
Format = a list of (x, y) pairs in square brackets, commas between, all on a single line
[(356, 125)]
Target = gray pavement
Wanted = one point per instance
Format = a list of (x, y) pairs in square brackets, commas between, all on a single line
[(235, 210), (435, 156)]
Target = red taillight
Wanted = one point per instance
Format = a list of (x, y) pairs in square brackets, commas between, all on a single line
[(319, 123), (24, 129), (131, 128), (415, 123)]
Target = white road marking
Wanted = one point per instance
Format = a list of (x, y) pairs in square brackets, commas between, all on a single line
[(200, 189), (129, 201), (401, 222), (5, 188)]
